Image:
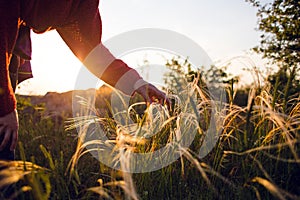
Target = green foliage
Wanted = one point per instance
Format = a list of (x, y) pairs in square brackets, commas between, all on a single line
[(256, 157), (279, 22), (285, 87), (214, 79)]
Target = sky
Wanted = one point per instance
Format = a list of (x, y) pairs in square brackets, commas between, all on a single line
[(225, 29)]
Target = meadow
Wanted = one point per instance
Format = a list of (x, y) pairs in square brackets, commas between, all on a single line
[(256, 155)]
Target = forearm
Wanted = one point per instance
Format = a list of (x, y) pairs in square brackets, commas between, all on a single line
[(111, 70), (7, 97)]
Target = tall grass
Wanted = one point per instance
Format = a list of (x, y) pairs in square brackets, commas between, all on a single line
[(256, 155)]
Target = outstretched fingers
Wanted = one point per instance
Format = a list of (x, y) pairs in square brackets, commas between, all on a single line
[(6, 133), (14, 140), (151, 94), (9, 126)]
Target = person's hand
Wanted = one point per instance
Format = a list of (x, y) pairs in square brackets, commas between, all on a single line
[(151, 94), (9, 126)]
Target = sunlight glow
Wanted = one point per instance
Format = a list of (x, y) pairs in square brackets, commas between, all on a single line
[(224, 29)]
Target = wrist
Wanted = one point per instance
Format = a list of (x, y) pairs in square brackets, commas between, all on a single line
[(129, 82), (139, 83)]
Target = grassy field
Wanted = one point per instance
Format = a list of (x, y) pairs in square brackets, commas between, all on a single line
[(256, 155)]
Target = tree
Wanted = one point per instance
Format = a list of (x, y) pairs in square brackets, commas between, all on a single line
[(279, 23)]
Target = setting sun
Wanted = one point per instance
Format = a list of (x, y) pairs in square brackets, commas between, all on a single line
[(202, 99), (228, 34)]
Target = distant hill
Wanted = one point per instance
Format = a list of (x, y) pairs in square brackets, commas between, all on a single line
[(60, 104)]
